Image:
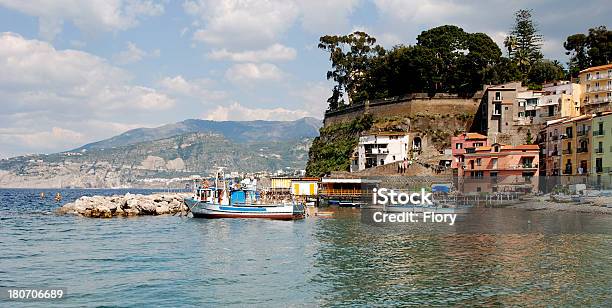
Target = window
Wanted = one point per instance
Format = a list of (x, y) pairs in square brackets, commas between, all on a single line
[(459, 146), (478, 161), (498, 96), (568, 132), (521, 114), (505, 108), (521, 104), (494, 161), (477, 144)]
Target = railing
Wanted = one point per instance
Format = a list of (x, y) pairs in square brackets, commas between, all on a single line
[(555, 138), (582, 132), (568, 170), (599, 151), (582, 150), (496, 112), (554, 153), (598, 133), (567, 151)]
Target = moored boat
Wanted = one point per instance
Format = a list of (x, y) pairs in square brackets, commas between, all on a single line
[(243, 202)]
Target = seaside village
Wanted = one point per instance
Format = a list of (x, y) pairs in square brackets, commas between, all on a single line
[(554, 140)]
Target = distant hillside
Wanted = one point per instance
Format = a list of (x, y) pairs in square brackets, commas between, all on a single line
[(235, 131), (170, 151)]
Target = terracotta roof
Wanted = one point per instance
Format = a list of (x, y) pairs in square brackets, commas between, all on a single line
[(484, 148), (525, 147), (475, 136), (596, 68)]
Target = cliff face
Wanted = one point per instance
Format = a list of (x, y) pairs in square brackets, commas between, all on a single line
[(435, 121), (331, 151)]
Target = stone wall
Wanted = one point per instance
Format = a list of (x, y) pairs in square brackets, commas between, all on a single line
[(406, 106)]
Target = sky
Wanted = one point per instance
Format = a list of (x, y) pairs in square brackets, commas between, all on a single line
[(74, 72)]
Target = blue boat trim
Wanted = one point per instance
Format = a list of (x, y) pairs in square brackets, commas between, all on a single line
[(241, 209)]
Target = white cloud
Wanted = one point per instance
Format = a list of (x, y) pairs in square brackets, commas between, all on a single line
[(130, 55), (198, 88), (133, 54), (421, 11), (247, 72), (326, 16), (313, 96), (242, 23), (236, 111), (38, 74), (91, 15), (276, 52), (47, 93)]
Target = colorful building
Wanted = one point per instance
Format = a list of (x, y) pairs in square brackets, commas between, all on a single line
[(596, 83), (501, 168), (462, 143), (560, 99), (601, 155)]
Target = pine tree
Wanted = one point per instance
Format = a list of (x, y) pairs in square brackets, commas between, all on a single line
[(525, 42)]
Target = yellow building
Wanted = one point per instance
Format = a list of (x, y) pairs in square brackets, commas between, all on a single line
[(305, 187), (596, 83), (601, 162), (584, 143)]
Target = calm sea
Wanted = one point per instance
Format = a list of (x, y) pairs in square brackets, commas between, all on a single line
[(178, 261)]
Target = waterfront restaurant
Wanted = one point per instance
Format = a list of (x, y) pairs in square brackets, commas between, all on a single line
[(350, 191)]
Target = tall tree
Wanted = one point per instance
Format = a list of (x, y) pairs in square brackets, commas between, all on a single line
[(525, 42), (545, 71), (592, 49), (350, 56)]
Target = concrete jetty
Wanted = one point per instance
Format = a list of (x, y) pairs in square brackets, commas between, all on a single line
[(126, 205)]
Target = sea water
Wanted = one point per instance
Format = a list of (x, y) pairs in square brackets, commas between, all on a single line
[(339, 260)]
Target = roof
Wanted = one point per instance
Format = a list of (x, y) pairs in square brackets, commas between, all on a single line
[(597, 68), (475, 136), (526, 147)]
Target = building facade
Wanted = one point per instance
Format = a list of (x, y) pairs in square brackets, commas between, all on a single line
[(559, 99), (466, 142), (379, 149), (601, 155), (596, 82), (499, 168), (509, 110)]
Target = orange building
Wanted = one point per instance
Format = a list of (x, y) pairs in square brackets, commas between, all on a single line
[(500, 167)]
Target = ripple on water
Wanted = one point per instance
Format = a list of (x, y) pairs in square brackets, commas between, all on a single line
[(172, 261)]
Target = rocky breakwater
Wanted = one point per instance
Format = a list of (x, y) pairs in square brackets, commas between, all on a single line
[(126, 205)]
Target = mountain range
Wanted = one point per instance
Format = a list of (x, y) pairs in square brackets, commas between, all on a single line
[(140, 156)]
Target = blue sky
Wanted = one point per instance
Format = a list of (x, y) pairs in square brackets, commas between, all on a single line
[(79, 71)]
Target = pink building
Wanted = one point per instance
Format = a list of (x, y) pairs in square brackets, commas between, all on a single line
[(465, 142), (500, 168)]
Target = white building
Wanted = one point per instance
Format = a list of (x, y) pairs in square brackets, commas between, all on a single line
[(379, 149), (560, 99)]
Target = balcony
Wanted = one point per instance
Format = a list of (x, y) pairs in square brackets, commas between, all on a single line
[(555, 138), (599, 151), (554, 153), (380, 151), (567, 151), (581, 133), (598, 133), (568, 170), (582, 150)]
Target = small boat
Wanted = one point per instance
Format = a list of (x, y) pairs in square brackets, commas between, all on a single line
[(244, 202)]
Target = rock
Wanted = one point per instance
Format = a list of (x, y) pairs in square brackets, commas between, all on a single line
[(162, 209), (127, 205)]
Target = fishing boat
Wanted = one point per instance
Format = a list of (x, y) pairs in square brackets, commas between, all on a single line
[(243, 201)]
